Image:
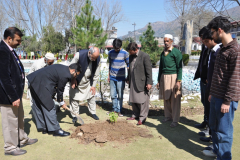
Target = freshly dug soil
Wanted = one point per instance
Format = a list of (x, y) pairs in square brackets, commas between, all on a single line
[(102, 132)]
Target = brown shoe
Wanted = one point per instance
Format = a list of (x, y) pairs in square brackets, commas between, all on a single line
[(139, 123), (16, 152), (131, 118), (29, 142)]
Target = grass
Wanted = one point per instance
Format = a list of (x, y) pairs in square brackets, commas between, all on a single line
[(179, 143)]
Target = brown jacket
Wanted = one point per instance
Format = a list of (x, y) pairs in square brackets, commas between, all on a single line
[(226, 74)]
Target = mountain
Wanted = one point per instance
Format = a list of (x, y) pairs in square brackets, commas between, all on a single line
[(174, 27)]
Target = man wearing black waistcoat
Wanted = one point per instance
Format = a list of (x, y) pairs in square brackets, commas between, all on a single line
[(86, 82)]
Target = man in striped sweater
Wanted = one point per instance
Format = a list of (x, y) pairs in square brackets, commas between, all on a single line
[(225, 89), (118, 60)]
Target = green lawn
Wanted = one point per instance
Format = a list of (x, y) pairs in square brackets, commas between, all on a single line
[(180, 143)]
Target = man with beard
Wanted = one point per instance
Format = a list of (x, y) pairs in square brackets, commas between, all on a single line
[(84, 86), (225, 89), (44, 84), (118, 58), (169, 81), (12, 81)]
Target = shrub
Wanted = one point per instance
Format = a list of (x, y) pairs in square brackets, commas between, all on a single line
[(185, 58)]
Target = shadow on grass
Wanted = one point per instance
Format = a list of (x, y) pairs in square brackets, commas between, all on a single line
[(180, 136)]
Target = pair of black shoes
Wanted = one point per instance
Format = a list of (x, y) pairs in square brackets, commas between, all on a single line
[(59, 132)]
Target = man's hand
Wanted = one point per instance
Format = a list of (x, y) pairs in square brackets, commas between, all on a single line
[(74, 83), (209, 98), (108, 79), (148, 86), (16, 103), (93, 90), (178, 85), (158, 86), (64, 106), (225, 108)]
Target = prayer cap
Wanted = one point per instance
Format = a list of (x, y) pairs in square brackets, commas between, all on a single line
[(50, 56), (168, 36)]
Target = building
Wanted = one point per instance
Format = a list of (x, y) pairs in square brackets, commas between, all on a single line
[(235, 30)]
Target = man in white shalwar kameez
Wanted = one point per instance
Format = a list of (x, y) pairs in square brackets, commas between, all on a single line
[(86, 81)]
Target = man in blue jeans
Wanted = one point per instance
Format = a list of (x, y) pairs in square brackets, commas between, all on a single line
[(225, 89), (118, 60)]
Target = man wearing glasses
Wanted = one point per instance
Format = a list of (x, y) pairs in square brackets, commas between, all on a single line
[(118, 60), (83, 88), (224, 93)]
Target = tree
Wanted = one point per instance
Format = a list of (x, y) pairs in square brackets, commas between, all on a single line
[(149, 45), (52, 41), (30, 43), (110, 13), (88, 29)]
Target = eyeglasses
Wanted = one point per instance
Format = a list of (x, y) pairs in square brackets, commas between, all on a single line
[(212, 32)]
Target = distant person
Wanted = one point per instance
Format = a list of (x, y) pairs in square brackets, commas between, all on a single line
[(12, 81), (118, 60), (202, 72), (224, 93), (101, 50), (106, 51), (140, 82), (214, 50), (85, 84), (45, 83), (169, 81)]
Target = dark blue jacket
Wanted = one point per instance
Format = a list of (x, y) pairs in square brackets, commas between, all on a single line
[(11, 80)]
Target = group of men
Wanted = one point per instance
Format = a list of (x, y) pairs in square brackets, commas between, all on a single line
[(218, 68), (219, 71)]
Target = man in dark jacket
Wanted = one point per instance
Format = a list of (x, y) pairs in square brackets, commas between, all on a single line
[(202, 74), (214, 49), (44, 84), (140, 82), (12, 80)]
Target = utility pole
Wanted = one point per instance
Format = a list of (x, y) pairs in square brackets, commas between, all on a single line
[(134, 31)]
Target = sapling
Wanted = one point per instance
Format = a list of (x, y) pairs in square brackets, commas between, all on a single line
[(113, 117)]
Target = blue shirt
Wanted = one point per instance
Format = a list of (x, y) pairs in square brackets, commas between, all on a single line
[(117, 63)]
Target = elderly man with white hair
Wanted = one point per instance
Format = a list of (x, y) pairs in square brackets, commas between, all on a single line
[(85, 83), (169, 81)]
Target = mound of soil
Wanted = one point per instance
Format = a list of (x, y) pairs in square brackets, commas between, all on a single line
[(103, 132)]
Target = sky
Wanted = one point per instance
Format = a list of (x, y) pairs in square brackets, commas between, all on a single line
[(141, 12)]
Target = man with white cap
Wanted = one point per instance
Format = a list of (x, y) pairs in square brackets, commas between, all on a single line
[(43, 62), (169, 81)]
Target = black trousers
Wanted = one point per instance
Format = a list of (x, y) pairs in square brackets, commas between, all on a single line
[(207, 108)]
